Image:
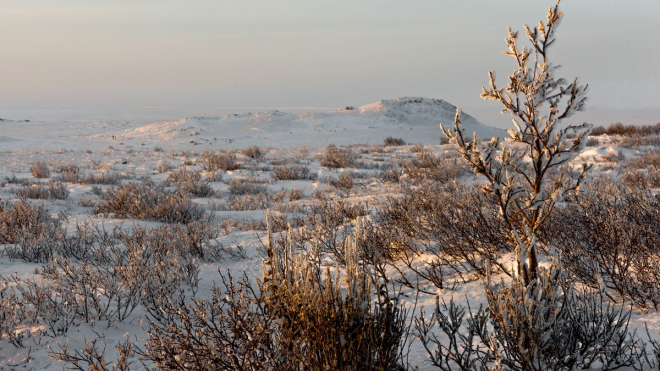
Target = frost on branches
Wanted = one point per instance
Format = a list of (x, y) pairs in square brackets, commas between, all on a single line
[(527, 175)]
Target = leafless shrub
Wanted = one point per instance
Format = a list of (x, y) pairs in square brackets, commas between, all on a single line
[(92, 358), (392, 175), (648, 159), (324, 224), (73, 174), (598, 131), (253, 152), (458, 226), (541, 327), (88, 200), (149, 202), (293, 172), (30, 229), (213, 161), (391, 141), (592, 142), (191, 182), (296, 318), (40, 169), (635, 141), (344, 182), (164, 167), (613, 232), (44, 191), (427, 166), (296, 194), (335, 157), (240, 186), (248, 202)]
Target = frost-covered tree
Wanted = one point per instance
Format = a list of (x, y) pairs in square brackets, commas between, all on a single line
[(528, 174)]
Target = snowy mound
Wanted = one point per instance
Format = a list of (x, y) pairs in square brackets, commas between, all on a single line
[(415, 120)]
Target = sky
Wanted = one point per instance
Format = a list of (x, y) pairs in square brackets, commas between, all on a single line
[(187, 57)]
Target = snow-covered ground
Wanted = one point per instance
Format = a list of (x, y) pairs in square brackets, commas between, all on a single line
[(155, 150)]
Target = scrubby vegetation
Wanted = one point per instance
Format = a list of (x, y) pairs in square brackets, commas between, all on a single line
[(468, 255)]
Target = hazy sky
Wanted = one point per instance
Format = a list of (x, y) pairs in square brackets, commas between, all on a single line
[(316, 53)]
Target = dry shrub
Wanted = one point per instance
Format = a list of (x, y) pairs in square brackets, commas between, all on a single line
[(648, 159), (299, 317), (248, 202), (30, 229), (427, 166), (44, 191), (642, 179), (544, 326), (611, 231), (253, 152), (40, 169), (335, 157), (73, 174), (240, 186), (458, 226), (344, 182), (391, 141), (213, 161), (148, 201), (191, 182), (293, 172), (164, 167)]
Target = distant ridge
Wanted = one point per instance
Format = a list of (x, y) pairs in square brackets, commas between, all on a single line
[(413, 119)]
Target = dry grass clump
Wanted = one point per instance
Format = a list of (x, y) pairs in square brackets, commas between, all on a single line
[(40, 169), (149, 201), (44, 191), (213, 161), (293, 172), (335, 157)]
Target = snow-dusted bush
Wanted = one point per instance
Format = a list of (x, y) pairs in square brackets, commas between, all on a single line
[(293, 172), (528, 178), (213, 161), (335, 157), (44, 191), (40, 169), (149, 201), (545, 325)]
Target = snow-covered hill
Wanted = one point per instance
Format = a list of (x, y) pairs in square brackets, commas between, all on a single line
[(415, 120)]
